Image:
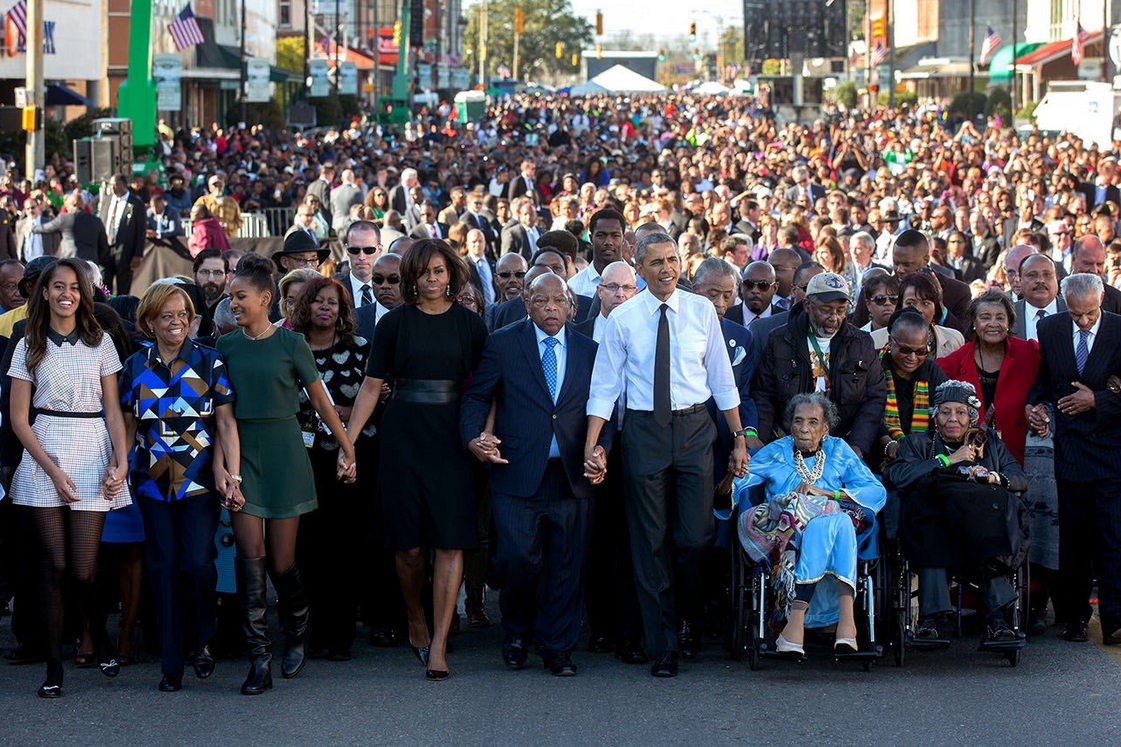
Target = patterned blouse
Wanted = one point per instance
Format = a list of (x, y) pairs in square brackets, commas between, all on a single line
[(175, 411), (342, 368)]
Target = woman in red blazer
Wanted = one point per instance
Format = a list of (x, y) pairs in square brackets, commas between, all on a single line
[(1000, 367)]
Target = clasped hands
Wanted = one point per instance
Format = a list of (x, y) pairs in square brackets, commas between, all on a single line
[(485, 448)]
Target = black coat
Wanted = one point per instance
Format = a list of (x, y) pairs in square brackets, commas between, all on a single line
[(858, 387)]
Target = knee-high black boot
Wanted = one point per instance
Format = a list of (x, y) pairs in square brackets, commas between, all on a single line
[(293, 608), (252, 593)]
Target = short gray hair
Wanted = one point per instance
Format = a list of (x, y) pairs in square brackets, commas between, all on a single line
[(864, 238), (223, 318), (715, 266), (832, 417), (649, 240), (1082, 284)]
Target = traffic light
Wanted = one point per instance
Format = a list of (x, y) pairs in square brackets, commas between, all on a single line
[(599, 51), (599, 23), (575, 59), (879, 28), (693, 31), (397, 34), (32, 119), (519, 21), (560, 50), (661, 55)]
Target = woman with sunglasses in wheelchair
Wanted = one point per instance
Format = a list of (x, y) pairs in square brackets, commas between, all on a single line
[(959, 512)]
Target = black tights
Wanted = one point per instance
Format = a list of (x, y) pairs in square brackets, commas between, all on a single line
[(69, 541)]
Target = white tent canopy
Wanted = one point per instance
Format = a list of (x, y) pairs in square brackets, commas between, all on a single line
[(711, 88), (618, 79)]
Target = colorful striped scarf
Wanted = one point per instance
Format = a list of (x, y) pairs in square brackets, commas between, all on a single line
[(920, 417)]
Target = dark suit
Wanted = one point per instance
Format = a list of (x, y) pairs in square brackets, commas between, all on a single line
[(398, 199), (166, 224), (761, 329), (485, 222), (505, 312), (477, 279), (321, 190), (741, 354), (83, 235), (1112, 300), (970, 270), (817, 192), (1020, 328), (1089, 189), (343, 198), (9, 247), (541, 507), (128, 244), (516, 241), (1087, 468), (735, 314), (420, 231), (518, 187), (747, 228), (365, 319)]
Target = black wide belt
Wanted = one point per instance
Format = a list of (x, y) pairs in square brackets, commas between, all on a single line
[(61, 414), (426, 391)]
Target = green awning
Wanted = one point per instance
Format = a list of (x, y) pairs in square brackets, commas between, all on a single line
[(1000, 66)]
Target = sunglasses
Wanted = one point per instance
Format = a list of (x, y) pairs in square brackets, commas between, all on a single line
[(364, 249), (507, 274), (762, 285), (383, 279), (904, 350), (881, 300)]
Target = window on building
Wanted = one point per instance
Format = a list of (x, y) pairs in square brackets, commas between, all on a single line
[(285, 13)]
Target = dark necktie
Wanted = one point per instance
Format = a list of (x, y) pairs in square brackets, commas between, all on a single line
[(367, 294), (1081, 352), (1039, 315), (662, 411)]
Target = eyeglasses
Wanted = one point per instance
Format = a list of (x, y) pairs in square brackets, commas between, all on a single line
[(614, 288), (466, 300), (364, 249), (211, 273), (305, 261), (383, 279), (881, 300), (762, 285), (904, 350), (507, 274), (1059, 233)]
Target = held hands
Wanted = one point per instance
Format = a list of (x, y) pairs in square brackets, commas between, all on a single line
[(485, 448), (1081, 401), (347, 466), (595, 464), (112, 483), (1038, 421)]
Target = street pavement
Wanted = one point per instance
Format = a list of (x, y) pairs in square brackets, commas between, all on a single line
[(1061, 694)]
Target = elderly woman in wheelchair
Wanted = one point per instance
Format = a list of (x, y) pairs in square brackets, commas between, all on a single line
[(819, 496), (958, 511)]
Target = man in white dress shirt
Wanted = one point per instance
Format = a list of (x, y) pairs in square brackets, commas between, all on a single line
[(1039, 284), (606, 230), (665, 348), (617, 285)]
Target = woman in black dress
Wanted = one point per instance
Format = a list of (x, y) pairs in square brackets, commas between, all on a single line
[(427, 348)]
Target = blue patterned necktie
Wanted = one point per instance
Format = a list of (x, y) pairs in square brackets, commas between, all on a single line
[(549, 365), (1082, 352)]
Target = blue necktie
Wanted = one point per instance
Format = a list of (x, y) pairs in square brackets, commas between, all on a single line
[(549, 365), (1082, 352)]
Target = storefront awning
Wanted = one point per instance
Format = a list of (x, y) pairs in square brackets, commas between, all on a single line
[(938, 67), (60, 94), (1000, 66)]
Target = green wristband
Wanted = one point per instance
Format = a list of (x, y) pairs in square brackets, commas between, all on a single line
[(944, 459), (836, 495), (750, 432)]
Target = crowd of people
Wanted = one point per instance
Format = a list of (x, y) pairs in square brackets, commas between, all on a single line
[(525, 353)]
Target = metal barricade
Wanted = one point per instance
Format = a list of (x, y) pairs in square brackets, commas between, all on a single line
[(268, 222)]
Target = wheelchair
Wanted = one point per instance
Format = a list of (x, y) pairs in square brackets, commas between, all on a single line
[(902, 609), (751, 598)]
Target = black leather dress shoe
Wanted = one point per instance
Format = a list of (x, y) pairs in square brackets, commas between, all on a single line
[(171, 683), (204, 664), (629, 652), (514, 653), (688, 639), (665, 665), (1076, 632), (383, 637), (560, 665), (599, 644)]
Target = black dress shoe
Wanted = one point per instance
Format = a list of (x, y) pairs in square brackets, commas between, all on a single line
[(665, 665), (629, 652), (560, 665), (49, 691), (436, 675), (172, 682), (421, 653), (599, 644), (1076, 632), (514, 653), (383, 637), (204, 664), (688, 639)]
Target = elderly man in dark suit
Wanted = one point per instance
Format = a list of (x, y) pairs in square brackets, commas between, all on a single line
[(520, 235), (1088, 255), (537, 374), (83, 233), (126, 226), (1081, 351)]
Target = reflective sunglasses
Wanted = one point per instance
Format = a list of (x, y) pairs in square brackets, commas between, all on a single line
[(506, 274), (762, 285), (881, 300), (904, 350), (364, 249), (382, 279)]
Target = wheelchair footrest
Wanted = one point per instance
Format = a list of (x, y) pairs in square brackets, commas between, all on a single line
[(925, 644), (1001, 646)]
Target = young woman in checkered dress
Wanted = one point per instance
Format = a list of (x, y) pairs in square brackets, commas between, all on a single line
[(75, 455)]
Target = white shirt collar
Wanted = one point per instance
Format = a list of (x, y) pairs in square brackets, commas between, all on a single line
[(1093, 330), (653, 304), (540, 333), (1049, 309)]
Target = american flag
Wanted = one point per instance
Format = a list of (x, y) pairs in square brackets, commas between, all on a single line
[(879, 54), (184, 30), (18, 17), (1077, 44), (989, 45)]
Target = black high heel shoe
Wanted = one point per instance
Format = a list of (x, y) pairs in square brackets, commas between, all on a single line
[(52, 687), (436, 675), (421, 653)]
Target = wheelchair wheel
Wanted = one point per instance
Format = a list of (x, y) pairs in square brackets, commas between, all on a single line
[(1014, 657), (899, 636), (740, 607), (867, 665), (754, 656)]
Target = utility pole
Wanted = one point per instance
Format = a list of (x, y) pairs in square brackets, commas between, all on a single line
[(242, 70), (1015, 36), (972, 23), (34, 153), (307, 44), (889, 28), (483, 45), (338, 26)]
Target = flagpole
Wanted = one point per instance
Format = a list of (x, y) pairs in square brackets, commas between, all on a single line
[(972, 23), (1015, 82), (34, 155), (242, 70)]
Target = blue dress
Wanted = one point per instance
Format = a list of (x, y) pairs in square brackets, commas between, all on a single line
[(828, 544)]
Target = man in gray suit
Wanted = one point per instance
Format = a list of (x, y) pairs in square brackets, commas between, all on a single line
[(83, 234), (343, 197), (1039, 285)]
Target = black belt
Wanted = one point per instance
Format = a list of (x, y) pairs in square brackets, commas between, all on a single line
[(60, 414), (683, 411), (426, 391)]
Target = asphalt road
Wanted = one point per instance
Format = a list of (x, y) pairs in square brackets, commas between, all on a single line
[(1061, 694)]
